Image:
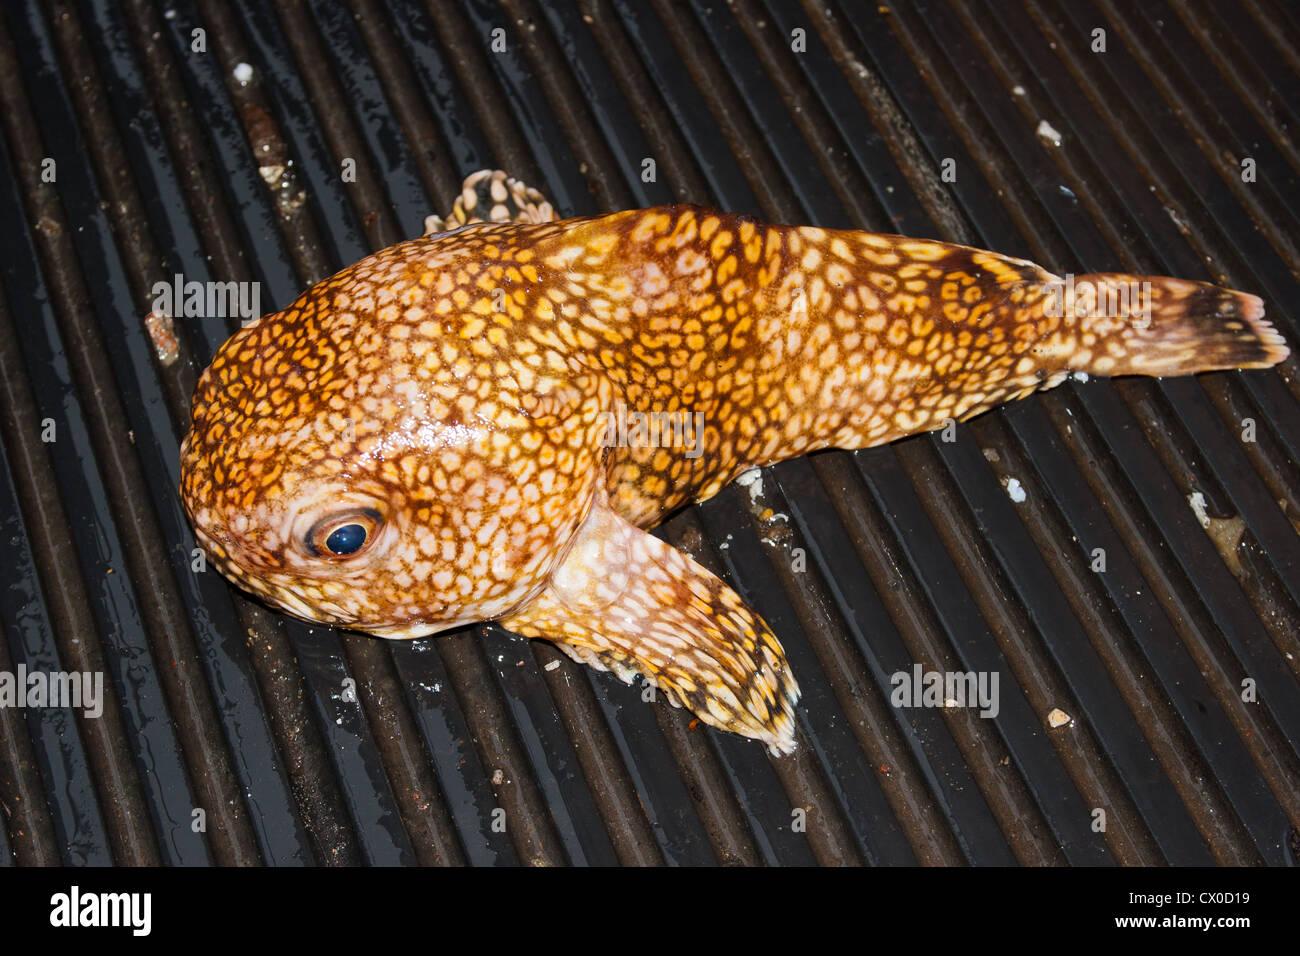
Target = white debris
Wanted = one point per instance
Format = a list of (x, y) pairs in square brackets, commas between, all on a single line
[(1048, 133), (1014, 489), (1081, 376), (1197, 501), (1058, 718), (243, 74), (272, 173), (1017, 90), (162, 332), (753, 480), (551, 666)]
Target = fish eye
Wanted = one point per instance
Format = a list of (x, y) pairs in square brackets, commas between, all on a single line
[(343, 535), (347, 539)]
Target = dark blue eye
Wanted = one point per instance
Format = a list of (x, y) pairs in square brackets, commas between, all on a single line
[(346, 539), (343, 533)]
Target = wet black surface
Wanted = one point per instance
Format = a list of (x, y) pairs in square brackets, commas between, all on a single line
[(305, 745)]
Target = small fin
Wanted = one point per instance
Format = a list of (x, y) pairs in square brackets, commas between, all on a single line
[(491, 195), (1160, 326), (623, 600)]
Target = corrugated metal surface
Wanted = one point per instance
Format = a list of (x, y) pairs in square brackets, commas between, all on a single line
[(915, 551)]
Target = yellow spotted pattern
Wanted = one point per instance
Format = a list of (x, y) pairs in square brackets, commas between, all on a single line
[(449, 394)]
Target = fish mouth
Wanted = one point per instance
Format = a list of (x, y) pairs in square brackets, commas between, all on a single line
[(330, 615), (408, 631), (284, 597)]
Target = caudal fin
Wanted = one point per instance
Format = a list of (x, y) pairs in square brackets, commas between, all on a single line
[(1151, 325)]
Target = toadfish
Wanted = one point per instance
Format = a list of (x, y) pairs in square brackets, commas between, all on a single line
[(420, 441)]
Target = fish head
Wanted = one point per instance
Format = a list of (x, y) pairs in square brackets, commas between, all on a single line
[(368, 460)]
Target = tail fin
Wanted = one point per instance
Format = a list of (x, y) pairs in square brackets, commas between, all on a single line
[(1151, 325)]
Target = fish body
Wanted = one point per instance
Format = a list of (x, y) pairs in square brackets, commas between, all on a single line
[(448, 402)]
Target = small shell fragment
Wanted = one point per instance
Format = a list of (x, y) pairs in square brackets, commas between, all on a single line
[(162, 332), (1058, 718)]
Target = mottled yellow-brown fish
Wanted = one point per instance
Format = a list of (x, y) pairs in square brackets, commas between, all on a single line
[(422, 441)]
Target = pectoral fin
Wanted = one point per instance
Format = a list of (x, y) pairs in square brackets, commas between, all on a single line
[(623, 600)]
